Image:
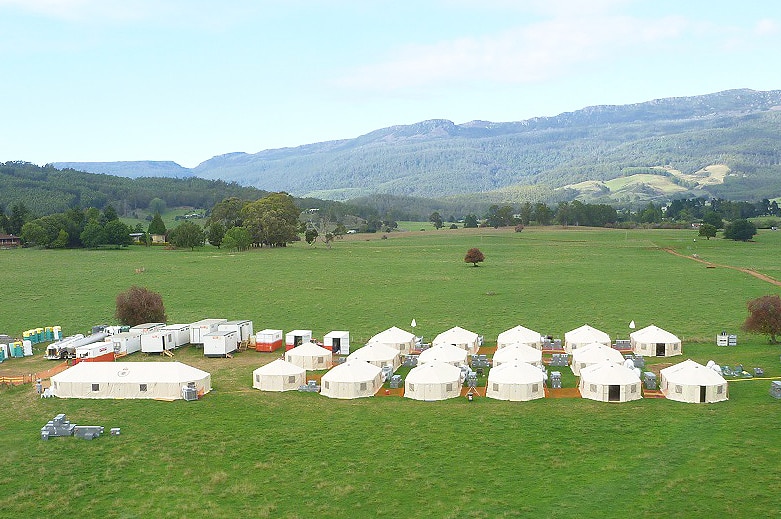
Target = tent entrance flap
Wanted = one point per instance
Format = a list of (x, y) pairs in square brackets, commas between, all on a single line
[(614, 393), (702, 393), (660, 349)]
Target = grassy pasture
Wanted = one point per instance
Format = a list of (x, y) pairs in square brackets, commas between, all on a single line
[(242, 452)]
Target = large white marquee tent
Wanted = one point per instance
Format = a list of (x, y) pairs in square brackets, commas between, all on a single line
[(379, 354), (446, 353), (608, 382), (653, 341), (691, 382), (518, 353), (352, 379), (582, 336), (402, 340), (310, 356), (278, 375), (460, 337), (519, 335), (433, 381), (149, 380), (516, 381), (594, 353)]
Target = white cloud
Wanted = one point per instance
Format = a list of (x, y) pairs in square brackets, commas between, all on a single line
[(766, 27)]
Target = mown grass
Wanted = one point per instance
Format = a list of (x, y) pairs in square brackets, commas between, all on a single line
[(242, 452)]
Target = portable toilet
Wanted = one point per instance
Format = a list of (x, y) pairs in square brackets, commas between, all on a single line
[(268, 340), (180, 333), (338, 342), (297, 338), (38, 335), (220, 343), (27, 335), (48, 333), (27, 348), (17, 349), (56, 333), (199, 329), (243, 329), (3, 352)]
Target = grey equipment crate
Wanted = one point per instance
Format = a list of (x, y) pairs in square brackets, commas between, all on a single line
[(649, 379), (555, 379), (775, 389), (395, 381)]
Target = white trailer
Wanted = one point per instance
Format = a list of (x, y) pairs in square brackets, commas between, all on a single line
[(199, 329), (125, 343), (297, 338), (181, 333), (338, 341), (243, 328), (220, 343), (95, 352), (146, 327)]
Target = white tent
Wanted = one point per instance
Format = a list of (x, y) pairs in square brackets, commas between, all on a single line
[(517, 353), (594, 353), (446, 353), (689, 381), (586, 334), (652, 341), (353, 379), (278, 375), (460, 337), (608, 382), (395, 337), (433, 381), (379, 354), (516, 381), (310, 356), (519, 335), (152, 380)]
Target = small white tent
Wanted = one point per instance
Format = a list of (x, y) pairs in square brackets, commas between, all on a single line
[(151, 380), (446, 353), (519, 335), (517, 353), (608, 382), (460, 337), (310, 356), (433, 381), (586, 334), (278, 375), (397, 338), (691, 382), (379, 354), (352, 379), (516, 381), (594, 353), (652, 341)]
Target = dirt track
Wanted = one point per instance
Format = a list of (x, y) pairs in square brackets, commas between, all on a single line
[(750, 272)]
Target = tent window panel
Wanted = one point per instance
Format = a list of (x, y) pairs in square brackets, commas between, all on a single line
[(678, 389), (412, 387), (535, 388), (363, 386), (320, 360), (449, 387), (633, 390), (142, 388), (720, 390), (326, 384), (496, 387), (96, 387), (290, 380), (592, 388), (257, 378)]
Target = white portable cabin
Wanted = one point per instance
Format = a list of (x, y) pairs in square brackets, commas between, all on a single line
[(310, 356), (594, 353), (582, 336), (691, 382), (516, 381), (149, 380), (433, 381), (95, 352), (146, 327), (269, 340), (447, 353), (608, 382), (457, 336), (519, 335), (296, 338), (199, 329), (378, 354), (278, 375), (352, 379), (518, 352), (125, 343), (402, 340), (242, 328), (157, 341), (652, 341), (181, 334), (338, 341), (220, 343)]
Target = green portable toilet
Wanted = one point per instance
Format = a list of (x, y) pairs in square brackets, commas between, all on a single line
[(17, 349), (48, 334), (27, 335), (38, 335), (3, 352)]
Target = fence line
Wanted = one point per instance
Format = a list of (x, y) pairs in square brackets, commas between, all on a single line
[(32, 377)]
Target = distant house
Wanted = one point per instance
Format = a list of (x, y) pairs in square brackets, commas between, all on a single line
[(9, 240), (158, 238)]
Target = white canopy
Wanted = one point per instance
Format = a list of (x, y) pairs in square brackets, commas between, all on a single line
[(353, 379), (516, 381), (517, 353), (278, 375), (586, 334), (151, 380), (446, 353), (653, 341), (519, 335), (594, 353), (433, 381), (379, 354), (395, 337), (310, 356), (460, 337), (691, 382), (608, 382)]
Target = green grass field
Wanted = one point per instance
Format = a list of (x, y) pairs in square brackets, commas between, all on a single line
[(242, 452)]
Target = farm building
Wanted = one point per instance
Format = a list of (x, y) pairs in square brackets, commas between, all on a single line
[(652, 341), (397, 338), (296, 338), (433, 381), (220, 343), (352, 379), (586, 334), (243, 329), (594, 353), (691, 382), (460, 337), (517, 352), (338, 341), (516, 381), (199, 329), (608, 382), (519, 335), (378, 354), (310, 356), (447, 353), (278, 375), (125, 343), (268, 340), (152, 380)]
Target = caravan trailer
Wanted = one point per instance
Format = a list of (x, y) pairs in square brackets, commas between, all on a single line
[(199, 329), (220, 343)]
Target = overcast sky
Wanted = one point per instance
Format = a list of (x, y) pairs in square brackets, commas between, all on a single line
[(184, 80)]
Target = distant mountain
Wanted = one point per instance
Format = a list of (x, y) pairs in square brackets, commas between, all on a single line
[(659, 149), (130, 169)]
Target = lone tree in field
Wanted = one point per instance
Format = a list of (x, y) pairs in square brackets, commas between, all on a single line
[(707, 230), (474, 256), (740, 230), (764, 317), (139, 305)]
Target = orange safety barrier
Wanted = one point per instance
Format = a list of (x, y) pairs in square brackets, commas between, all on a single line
[(32, 377)]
